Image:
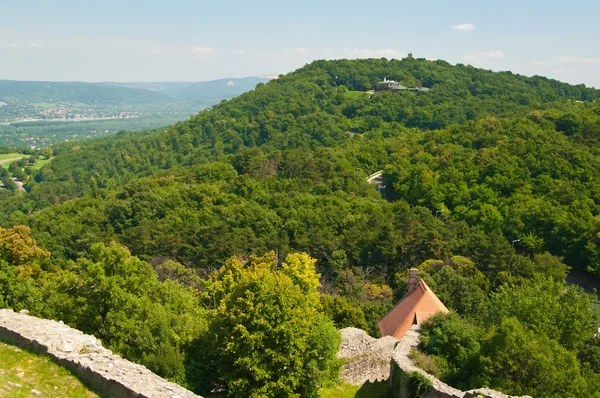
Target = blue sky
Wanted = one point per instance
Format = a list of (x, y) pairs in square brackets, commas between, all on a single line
[(158, 40)]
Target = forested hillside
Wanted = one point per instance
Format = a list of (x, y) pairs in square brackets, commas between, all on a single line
[(491, 187)]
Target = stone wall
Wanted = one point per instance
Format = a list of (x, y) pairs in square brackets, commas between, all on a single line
[(108, 374), (366, 358), (370, 359)]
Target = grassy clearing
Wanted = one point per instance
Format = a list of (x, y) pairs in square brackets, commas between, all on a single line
[(40, 162), (367, 390), (5, 156), (22, 371), (356, 94)]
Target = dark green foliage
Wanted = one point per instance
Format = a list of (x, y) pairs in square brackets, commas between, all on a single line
[(537, 338), (455, 345), (118, 298), (418, 384), (589, 355), (343, 313)]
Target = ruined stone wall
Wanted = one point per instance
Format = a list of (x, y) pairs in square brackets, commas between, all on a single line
[(108, 374), (370, 359), (365, 358)]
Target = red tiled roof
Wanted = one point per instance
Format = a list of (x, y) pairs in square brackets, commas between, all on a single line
[(414, 308)]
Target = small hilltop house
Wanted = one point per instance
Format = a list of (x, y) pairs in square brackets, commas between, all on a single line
[(390, 85), (394, 86), (419, 304)]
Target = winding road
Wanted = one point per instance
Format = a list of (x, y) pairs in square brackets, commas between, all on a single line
[(5, 161)]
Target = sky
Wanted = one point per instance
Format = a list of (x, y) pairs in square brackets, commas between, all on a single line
[(186, 40)]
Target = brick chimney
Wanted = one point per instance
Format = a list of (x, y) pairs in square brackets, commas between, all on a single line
[(413, 279)]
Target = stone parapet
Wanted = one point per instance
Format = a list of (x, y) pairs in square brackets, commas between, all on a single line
[(108, 374)]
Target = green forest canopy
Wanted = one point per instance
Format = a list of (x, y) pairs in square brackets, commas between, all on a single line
[(283, 168)]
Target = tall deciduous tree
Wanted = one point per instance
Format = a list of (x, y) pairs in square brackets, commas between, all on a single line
[(268, 335)]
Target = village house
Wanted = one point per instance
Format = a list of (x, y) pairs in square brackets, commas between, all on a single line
[(419, 304)]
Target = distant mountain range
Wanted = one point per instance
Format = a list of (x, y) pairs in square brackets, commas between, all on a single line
[(12, 91), (213, 89), (24, 92)]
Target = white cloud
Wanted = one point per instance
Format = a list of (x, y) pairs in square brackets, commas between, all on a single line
[(492, 54), (36, 45), (483, 56), (570, 71), (465, 27), (13, 45), (291, 51), (156, 51), (558, 63), (369, 53), (577, 60), (203, 50)]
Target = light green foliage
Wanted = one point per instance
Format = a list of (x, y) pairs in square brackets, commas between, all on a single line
[(300, 268), (20, 270), (563, 313), (518, 361), (268, 338)]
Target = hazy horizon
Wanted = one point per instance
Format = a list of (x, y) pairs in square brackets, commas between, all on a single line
[(185, 41)]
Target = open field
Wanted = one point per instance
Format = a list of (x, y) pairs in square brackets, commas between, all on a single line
[(22, 372)]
